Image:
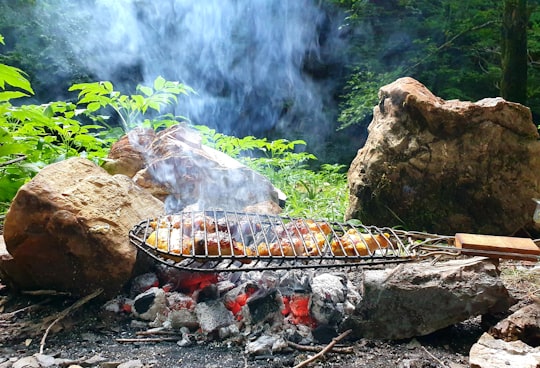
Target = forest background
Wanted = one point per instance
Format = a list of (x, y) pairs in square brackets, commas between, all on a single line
[(459, 50)]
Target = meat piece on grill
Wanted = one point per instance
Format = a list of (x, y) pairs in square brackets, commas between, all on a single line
[(170, 241), (219, 244), (354, 243), (186, 222), (307, 245), (302, 227)]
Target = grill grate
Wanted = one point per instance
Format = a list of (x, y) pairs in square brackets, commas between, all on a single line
[(209, 241)]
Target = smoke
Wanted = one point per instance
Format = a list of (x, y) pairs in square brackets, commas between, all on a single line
[(255, 64)]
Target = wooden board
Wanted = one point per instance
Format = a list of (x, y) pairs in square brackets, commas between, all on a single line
[(498, 246)]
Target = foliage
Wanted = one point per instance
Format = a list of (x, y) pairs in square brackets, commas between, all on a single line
[(451, 46), (43, 134), (130, 108), (310, 193), (33, 136)]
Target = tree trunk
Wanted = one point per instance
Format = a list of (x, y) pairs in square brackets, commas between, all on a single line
[(514, 51)]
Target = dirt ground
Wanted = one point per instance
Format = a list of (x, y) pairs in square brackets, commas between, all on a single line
[(89, 332), (89, 336)]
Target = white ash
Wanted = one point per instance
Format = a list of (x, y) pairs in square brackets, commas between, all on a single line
[(177, 319), (333, 297), (266, 345), (213, 315)]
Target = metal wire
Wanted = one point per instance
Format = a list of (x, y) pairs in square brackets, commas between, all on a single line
[(229, 241), (207, 241)]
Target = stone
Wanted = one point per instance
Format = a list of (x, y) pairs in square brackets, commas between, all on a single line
[(45, 360), (134, 363), (523, 324), (27, 362), (126, 156), (330, 293), (212, 315), (446, 166), (489, 352), (177, 168), (265, 345), (150, 304), (418, 299), (68, 230)]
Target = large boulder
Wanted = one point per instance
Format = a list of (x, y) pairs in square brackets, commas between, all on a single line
[(176, 167), (446, 166), (68, 229), (421, 298)]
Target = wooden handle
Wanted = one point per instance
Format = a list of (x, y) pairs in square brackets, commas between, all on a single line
[(498, 246)]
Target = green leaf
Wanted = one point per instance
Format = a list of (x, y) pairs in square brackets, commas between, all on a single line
[(93, 106), (146, 90), (159, 83), (9, 95), (15, 78)]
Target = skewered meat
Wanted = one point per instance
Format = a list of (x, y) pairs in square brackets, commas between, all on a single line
[(172, 241), (301, 227), (218, 244), (354, 243), (310, 244), (186, 222)]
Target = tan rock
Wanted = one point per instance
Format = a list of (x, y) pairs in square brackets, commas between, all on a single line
[(67, 229), (446, 166), (177, 168), (523, 324), (489, 352)]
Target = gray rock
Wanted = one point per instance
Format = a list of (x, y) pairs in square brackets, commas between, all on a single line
[(330, 295), (489, 352), (131, 364), (27, 362), (45, 360), (213, 315), (418, 299)]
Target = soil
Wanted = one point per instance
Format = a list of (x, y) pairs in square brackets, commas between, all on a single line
[(90, 331), (30, 323)]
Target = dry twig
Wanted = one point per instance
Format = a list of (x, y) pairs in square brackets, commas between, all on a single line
[(434, 357), (328, 348), (65, 312), (45, 292), (9, 315), (316, 349), (157, 332), (149, 339), (6, 163)]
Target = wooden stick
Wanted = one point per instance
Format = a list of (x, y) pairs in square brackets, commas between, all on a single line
[(150, 339), (328, 348), (316, 349), (8, 315), (6, 163), (45, 292), (65, 312), (158, 332), (434, 357)]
